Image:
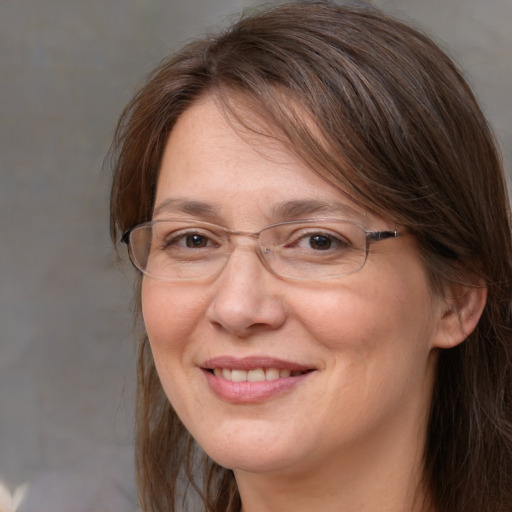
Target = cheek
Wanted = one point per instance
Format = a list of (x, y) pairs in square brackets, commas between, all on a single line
[(354, 317), (167, 313), (373, 324), (170, 314), (377, 341)]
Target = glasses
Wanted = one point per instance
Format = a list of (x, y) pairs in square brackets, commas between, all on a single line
[(189, 250)]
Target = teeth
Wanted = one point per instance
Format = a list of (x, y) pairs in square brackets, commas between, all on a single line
[(272, 374), (238, 375), (256, 375)]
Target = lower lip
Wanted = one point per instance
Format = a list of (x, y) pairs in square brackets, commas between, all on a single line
[(251, 392)]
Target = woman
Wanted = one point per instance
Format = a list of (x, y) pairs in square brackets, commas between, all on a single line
[(318, 211)]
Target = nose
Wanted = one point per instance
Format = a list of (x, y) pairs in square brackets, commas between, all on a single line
[(247, 298)]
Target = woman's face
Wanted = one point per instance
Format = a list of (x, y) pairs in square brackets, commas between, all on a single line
[(359, 348)]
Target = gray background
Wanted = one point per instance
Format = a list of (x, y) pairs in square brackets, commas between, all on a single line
[(67, 354)]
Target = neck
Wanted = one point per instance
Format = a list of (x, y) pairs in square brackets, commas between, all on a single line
[(333, 490)]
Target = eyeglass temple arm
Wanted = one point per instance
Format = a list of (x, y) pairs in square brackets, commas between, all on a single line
[(377, 236), (125, 237)]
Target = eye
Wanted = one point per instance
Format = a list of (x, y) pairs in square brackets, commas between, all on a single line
[(196, 240), (320, 241), (188, 240)]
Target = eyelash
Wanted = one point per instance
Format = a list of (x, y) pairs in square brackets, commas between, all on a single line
[(182, 236), (341, 242)]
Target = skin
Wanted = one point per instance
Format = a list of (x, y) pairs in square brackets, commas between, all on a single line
[(349, 436)]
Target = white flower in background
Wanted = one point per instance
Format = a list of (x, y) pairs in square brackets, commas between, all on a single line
[(10, 502)]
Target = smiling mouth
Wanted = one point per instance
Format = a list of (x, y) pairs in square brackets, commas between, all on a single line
[(256, 374), (253, 380)]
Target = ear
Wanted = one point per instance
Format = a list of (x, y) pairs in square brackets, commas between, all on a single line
[(460, 312)]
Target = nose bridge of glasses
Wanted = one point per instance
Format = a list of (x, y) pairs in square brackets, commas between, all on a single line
[(242, 248), (245, 240)]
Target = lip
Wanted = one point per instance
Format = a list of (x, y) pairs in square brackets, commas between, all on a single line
[(253, 362), (252, 392)]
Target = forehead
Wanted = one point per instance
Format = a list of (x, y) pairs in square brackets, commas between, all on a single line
[(212, 166)]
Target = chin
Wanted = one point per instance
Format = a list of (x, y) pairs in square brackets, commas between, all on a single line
[(252, 461), (255, 450)]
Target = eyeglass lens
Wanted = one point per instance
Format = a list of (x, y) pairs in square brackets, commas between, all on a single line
[(180, 250)]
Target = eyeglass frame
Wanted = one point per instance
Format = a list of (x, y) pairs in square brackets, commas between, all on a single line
[(370, 237)]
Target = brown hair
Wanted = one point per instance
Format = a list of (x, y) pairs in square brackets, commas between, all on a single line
[(396, 126)]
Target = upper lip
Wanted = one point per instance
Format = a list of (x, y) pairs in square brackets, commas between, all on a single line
[(252, 362)]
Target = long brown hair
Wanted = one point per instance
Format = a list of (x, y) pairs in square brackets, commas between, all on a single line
[(395, 125)]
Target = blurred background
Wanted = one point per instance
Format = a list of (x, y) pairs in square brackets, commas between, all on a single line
[(67, 353)]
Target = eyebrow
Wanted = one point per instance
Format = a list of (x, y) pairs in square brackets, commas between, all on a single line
[(189, 207), (299, 208), (285, 210)]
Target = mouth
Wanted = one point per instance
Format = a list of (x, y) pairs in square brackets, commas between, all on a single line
[(255, 375), (253, 379)]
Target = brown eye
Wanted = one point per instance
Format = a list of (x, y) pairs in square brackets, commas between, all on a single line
[(320, 242), (180, 240), (196, 241)]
